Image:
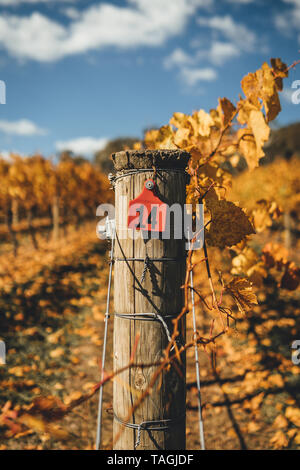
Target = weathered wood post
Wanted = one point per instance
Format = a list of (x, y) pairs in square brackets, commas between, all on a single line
[(160, 292)]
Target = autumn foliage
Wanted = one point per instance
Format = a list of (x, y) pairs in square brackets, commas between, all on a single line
[(35, 188), (217, 140), (245, 281)]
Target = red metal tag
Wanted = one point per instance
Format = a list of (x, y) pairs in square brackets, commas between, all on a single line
[(147, 211)]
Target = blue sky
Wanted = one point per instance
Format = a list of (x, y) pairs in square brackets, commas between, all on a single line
[(79, 72)]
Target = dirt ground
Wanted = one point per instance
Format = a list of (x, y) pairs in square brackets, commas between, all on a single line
[(54, 319)]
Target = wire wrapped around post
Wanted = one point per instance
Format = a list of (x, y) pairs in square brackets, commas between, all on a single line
[(149, 280)]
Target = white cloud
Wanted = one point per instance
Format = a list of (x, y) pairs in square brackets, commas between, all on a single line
[(178, 58), (23, 127), (220, 52), (188, 65), (296, 3), (13, 3), (237, 38), (287, 94), (282, 22), (289, 21), (71, 13), (82, 145), (241, 2), (6, 154), (139, 23), (237, 33), (33, 37), (192, 76)]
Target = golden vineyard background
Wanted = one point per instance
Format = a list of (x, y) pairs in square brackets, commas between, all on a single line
[(53, 275)]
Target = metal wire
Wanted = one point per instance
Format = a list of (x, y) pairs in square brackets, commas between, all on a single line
[(158, 425), (146, 268), (151, 425), (158, 260), (134, 171), (143, 316), (148, 316), (197, 365), (100, 404)]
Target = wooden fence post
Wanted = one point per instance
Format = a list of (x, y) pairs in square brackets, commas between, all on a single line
[(160, 292)]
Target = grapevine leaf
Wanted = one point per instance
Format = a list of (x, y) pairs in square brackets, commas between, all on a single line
[(261, 216), (160, 138), (272, 106), (274, 255), (178, 120), (279, 67), (181, 137), (279, 440), (247, 147), (240, 290), (261, 130), (245, 107), (268, 92), (228, 110), (50, 408), (229, 223), (205, 122), (250, 87), (291, 277), (293, 414), (280, 71)]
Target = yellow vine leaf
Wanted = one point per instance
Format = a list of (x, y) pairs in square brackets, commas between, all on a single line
[(137, 145), (247, 263), (39, 425), (179, 119), (50, 408), (279, 440), (274, 254), (244, 261), (280, 422), (273, 107), (181, 137), (250, 86), (247, 147), (253, 427), (205, 122), (280, 71), (260, 129), (160, 138), (229, 223), (34, 423), (268, 92), (245, 107), (261, 216), (251, 140), (257, 274), (240, 290), (216, 117), (228, 110), (262, 87), (293, 414)]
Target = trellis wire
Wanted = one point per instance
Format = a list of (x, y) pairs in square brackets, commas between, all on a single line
[(100, 404), (155, 425), (145, 424), (155, 316), (149, 316), (197, 365), (114, 177)]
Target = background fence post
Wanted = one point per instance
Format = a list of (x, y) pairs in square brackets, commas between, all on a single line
[(161, 292)]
